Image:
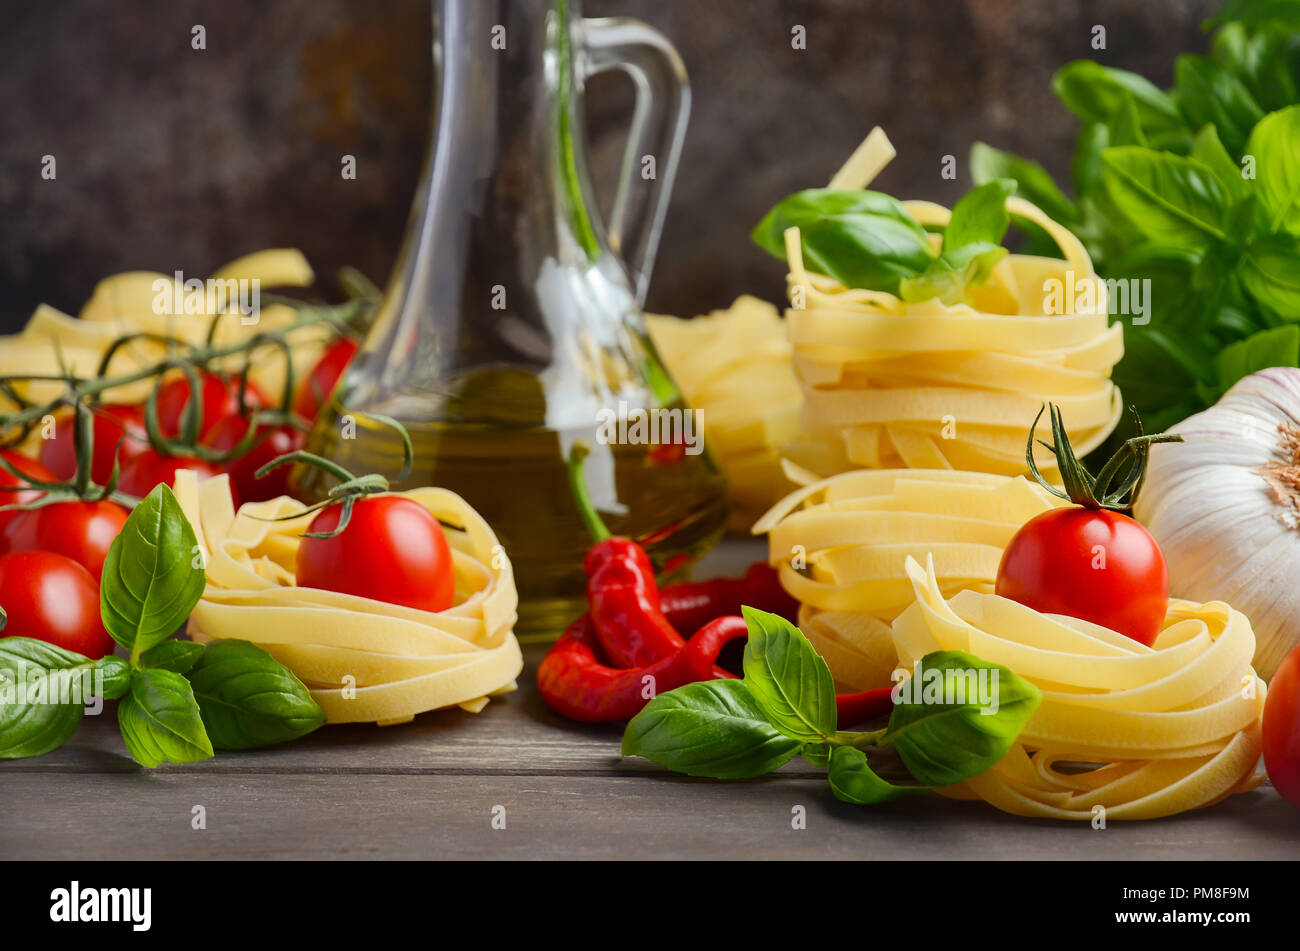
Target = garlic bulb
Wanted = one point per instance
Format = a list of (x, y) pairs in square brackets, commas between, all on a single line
[(1225, 508)]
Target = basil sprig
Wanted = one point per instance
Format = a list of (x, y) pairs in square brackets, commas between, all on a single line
[(867, 239), (785, 705), (179, 700), (1195, 189)]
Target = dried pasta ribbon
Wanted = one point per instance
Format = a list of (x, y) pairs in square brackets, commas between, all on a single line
[(1164, 729), (363, 660)]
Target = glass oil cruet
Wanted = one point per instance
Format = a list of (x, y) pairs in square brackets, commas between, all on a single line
[(511, 327)]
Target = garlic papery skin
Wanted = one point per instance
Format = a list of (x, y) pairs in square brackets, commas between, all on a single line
[(1225, 508)]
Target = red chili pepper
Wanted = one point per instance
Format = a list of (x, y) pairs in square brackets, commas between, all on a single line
[(853, 709), (624, 602), (574, 683), (621, 590), (692, 604)]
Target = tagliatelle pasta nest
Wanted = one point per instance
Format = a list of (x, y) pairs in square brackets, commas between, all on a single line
[(363, 660), (1166, 728), (733, 366), (841, 546), (890, 383)]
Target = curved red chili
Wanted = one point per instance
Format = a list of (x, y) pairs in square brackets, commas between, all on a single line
[(574, 683)]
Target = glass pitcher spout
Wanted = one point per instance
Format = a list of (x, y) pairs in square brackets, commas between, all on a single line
[(511, 327)]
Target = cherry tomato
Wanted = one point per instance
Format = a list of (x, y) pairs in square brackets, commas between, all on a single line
[(220, 399), (1092, 564), (392, 550), (151, 468), (1281, 726), (53, 599), (27, 466), (316, 387), (113, 421), (83, 531), (273, 441)]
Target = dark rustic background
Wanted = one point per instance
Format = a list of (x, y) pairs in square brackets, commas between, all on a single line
[(173, 158)]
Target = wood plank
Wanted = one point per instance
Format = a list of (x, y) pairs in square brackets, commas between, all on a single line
[(449, 817)]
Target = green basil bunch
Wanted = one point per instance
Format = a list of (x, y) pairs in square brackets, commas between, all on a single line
[(1196, 189), (785, 705), (178, 700), (868, 240)]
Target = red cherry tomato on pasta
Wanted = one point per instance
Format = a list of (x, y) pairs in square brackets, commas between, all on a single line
[(1281, 726), (53, 599), (83, 531), (393, 550), (1092, 564)]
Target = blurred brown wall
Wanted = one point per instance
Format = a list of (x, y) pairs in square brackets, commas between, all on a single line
[(170, 158)]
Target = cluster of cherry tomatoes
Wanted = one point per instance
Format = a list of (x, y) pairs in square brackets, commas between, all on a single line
[(52, 557)]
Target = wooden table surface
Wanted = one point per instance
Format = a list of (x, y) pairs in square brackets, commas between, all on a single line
[(432, 789)]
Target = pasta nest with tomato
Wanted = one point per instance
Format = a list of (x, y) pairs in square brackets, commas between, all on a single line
[(363, 660), (1124, 731), (841, 546)]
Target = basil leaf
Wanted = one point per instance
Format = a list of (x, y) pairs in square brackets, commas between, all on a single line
[(248, 699), (1271, 66), (1275, 143), (1278, 347), (789, 681), (865, 251), (852, 780), (1033, 183), (1209, 151), (160, 720), (1209, 94), (1270, 271), (1255, 11), (150, 583), (941, 726), (171, 654), (117, 676), (1085, 166), (980, 215), (862, 239), (816, 204), (1125, 125), (31, 672), (953, 273), (1095, 93), (714, 728), (1170, 199)]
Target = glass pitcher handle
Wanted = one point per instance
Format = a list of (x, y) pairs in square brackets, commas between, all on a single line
[(663, 106)]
